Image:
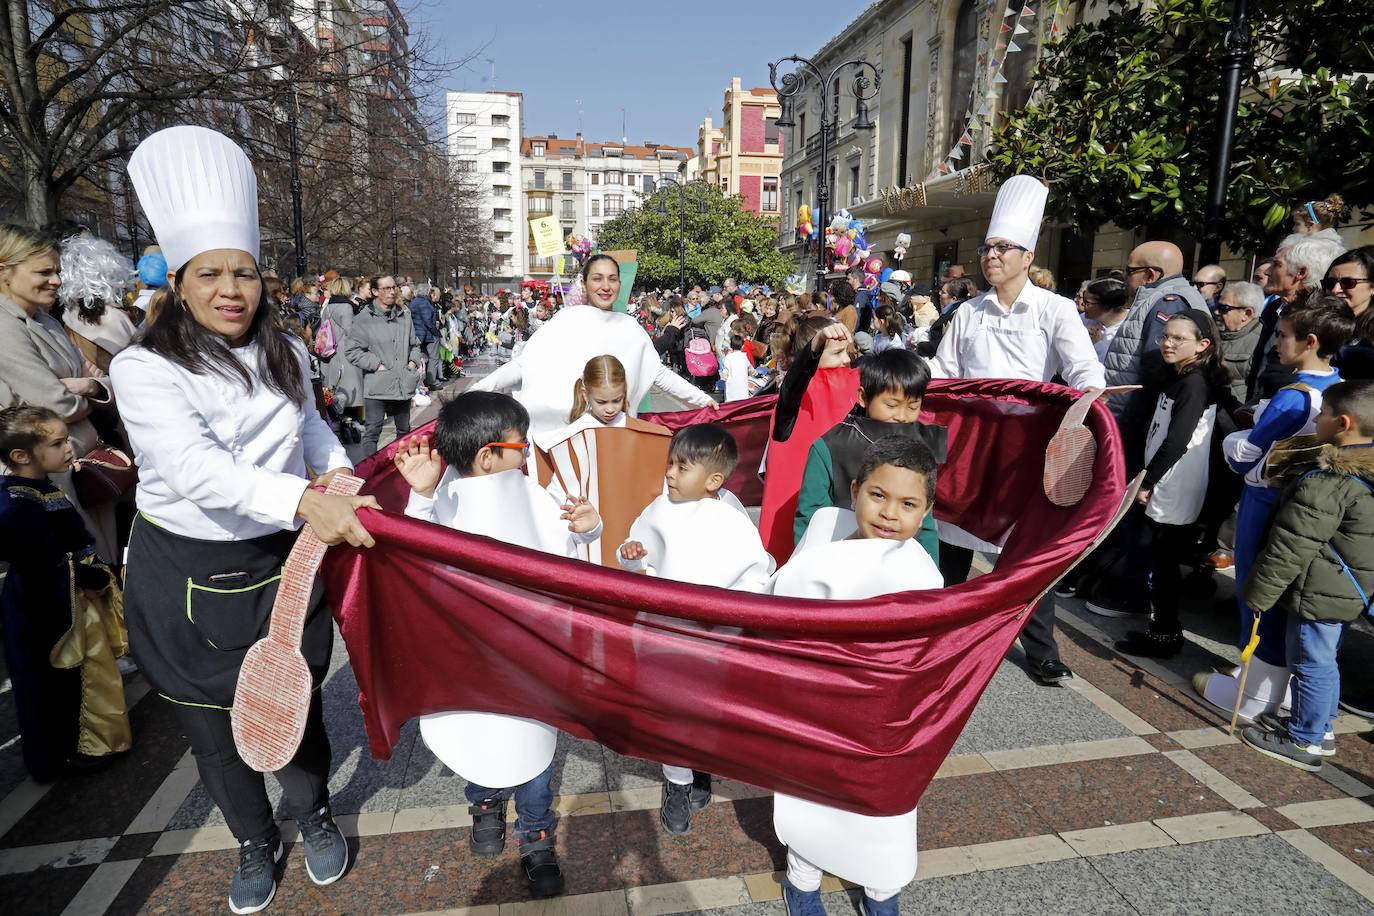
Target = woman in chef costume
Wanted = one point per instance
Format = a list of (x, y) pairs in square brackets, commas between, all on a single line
[(218, 407), (846, 556), (541, 375)]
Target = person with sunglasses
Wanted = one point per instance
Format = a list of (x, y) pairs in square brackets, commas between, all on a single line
[(1351, 278), (1209, 280), (1235, 312), (1015, 330), (1155, 282)]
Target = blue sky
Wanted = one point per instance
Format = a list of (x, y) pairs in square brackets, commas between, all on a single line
[(666, 64)]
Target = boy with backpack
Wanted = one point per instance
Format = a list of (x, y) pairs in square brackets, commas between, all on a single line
[(1317, 564)]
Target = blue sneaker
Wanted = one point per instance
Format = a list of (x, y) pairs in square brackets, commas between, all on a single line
[(801, 903), (255, 883), (326, 852), (889, 907)]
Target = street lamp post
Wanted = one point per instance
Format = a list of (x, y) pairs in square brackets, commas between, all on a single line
[(1237, 49), (395, 254), (297, 223), (792, 85), (681, 221)]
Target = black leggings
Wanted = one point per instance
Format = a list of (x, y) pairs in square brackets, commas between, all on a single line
[(238, 789)]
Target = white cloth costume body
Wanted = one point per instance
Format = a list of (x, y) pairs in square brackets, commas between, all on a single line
[(877, 852), (541, 375), (674, 535), (493, 750)]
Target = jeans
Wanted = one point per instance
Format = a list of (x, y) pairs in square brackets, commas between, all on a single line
[(376, 414), (1258, 505), (1312, 646), (806, 876), (533, 801)]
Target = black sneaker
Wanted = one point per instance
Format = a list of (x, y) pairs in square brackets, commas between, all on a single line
[(488, 828), (326, 850), (1150, 645), (255, 883), (675, 814), (1277, 723), (1107, 605), (701, 790), (1282, 748), (1067, 588), (1049, 671), (540, 862)]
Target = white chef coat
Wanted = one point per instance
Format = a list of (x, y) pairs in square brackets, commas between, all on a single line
[(1036, 337), (217, 462)]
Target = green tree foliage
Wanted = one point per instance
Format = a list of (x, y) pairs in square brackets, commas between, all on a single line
[(1125, 124), (725, 241)]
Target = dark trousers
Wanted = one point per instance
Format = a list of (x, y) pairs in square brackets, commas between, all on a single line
[(1037, 639), (376, 414), (1167, 547), (238, 789)]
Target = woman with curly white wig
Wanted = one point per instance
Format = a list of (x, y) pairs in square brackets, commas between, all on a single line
[(95, 277)]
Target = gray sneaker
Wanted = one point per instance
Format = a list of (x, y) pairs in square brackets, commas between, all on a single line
[(1280, 747), (255, 883), (1277, 723), (326, 851)]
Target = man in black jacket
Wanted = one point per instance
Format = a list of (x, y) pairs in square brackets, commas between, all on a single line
[(426, 321)]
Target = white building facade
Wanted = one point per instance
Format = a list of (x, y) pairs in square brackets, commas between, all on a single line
[(485, 130)]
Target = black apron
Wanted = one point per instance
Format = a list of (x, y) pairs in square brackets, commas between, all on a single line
[(193, 608)]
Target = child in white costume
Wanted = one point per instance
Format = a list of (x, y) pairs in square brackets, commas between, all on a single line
[(481, 436), (851, 556), (696, 532)]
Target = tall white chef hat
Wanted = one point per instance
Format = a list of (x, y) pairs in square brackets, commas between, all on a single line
[(199, 192), (1019, 210)]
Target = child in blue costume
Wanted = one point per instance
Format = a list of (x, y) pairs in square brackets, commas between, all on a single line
[(1307, 337), (45, 542)]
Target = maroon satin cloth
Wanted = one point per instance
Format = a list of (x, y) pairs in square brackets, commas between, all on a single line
[(854, 704)]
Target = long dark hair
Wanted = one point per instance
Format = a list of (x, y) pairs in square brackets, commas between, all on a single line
[(174, 335)]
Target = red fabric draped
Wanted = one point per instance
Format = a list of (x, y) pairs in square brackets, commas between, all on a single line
[(851, 703)]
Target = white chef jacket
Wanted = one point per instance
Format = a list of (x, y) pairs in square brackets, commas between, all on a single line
[(217, 462), (1038, 336)]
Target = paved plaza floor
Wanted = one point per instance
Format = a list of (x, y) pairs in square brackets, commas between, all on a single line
[(1119, 793)]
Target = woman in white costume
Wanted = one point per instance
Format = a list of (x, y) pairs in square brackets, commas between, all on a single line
[(541, 375)]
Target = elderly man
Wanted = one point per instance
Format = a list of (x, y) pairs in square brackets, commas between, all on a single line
[(1299, 265), (1240, 303), (1209, 281), (1015, 330), (382, 343), (1154, 277)]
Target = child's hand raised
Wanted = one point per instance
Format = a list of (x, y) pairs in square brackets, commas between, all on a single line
[(833, 331), (419, 464), (580, 515), (632, 550)]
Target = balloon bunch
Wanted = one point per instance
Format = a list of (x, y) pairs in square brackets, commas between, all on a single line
[(846, 241), (806, 228), (875, 272), (903, 243), (580, 246), (795, 284)]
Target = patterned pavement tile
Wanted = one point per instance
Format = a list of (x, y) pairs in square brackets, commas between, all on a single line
[(725, 839), (42, 893), (1354, 841), (1268, 780), (983, 808)]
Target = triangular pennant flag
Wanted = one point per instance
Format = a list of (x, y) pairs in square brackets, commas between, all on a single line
[(1011, 11), (982, 57), (1013, 47), (944, 168), (966, 138), (984, 110), (995, 64), (1021, 30), (999, 78), (956, 153), (1027, 11), (975, 124), (1005, 29), (1001, 46)]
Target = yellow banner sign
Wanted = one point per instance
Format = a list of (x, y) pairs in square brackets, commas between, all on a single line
[(548, 239)]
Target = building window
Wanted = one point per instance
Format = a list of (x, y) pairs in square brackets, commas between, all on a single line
[(500, 213), (568, 210), (500, 120), (467, 146), (596, 178), (853, 184), (537, 149), (538, 178), (464, 118), (965, 64), (614, 178), (567, 181), (500, 143), (541, 205), (465, 165), (501, 190), (500, 168), (615, 203), (647, 185), (770, 195), (596, 208), (630, 180), (799, 142), (770, 131)]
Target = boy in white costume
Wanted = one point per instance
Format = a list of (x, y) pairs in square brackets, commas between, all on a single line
[(852, 555), (696, 532), (481, 437)]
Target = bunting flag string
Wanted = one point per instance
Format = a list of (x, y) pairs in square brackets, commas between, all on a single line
[(1011, 11), (1027, 11), (1021, 30), (1013, 48)]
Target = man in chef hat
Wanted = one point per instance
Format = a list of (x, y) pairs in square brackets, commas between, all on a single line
[(1015, 330)]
